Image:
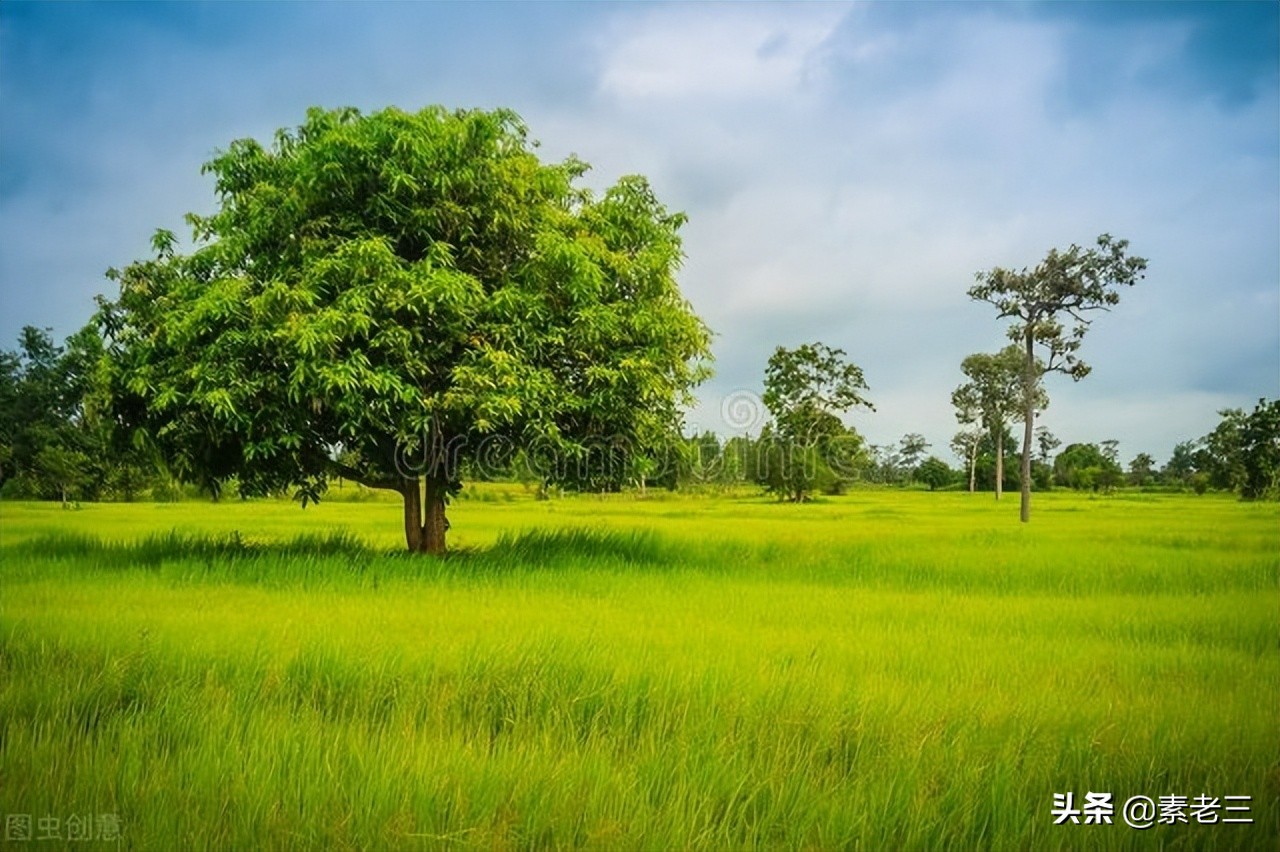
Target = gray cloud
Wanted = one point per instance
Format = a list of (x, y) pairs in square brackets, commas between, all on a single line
[(846, 168)]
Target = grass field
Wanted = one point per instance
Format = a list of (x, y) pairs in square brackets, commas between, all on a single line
[(880, 670)]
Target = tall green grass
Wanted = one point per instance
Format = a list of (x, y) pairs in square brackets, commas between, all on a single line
[(878, 671)]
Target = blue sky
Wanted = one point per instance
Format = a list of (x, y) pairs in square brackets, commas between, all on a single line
[(846, 168)]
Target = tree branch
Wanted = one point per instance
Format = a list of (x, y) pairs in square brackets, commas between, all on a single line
[(1083, 321), (347, 472)]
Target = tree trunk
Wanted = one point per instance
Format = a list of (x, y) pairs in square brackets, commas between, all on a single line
[(424, 521), (973, 465), (999, 461), (412, 515), (1028, 420), (435, 524)]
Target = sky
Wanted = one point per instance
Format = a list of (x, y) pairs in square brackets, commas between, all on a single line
[(846, 168)]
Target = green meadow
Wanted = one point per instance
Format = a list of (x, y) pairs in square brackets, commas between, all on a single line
[(885, 669)]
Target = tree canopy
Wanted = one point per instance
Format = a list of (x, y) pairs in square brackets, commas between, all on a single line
[(1244, 450), (415, 290), (1085, 467), (934, 472), (52, 441), (811, 380), (993, 395), (806, 389)]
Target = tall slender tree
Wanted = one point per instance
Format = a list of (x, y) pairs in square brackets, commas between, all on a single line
[(1066, 286), (965, 443), (912, 447), (1047, 442), (992, 396)]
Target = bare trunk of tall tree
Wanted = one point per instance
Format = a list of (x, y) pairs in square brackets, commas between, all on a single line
[(1028, 420), (973, 465), (999, 461)]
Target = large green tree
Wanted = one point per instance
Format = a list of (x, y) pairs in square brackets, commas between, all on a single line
[(934, 472), (410, 290), (807, 389), (1086, 467), (1243, 451), (1142, 469), (993, 395), (1184, 461), (1067, 286)]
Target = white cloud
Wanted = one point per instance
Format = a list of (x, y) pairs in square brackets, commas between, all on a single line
[(845, 176), (718, 51), (860, 215)]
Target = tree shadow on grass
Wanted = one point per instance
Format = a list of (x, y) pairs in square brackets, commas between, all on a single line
[(338, 554)]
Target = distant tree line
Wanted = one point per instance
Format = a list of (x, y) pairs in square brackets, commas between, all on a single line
[(57, 444)]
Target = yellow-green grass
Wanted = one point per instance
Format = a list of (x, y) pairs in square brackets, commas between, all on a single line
[(880, 670)]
